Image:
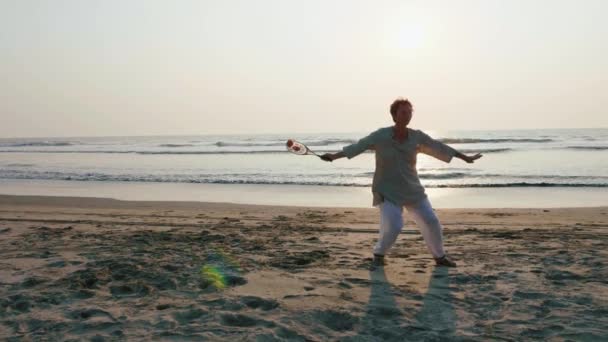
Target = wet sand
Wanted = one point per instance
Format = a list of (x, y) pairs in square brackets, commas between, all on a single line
[(100, 269)]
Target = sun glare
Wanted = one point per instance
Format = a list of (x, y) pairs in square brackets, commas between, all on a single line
[(410, 36)]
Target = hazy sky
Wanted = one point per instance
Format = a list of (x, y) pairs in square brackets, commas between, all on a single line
[(80, 68)]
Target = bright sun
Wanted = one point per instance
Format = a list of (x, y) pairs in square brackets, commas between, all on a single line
[(410, 36)]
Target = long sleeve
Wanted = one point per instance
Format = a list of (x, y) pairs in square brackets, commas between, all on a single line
[(360, 146), (435, 148)]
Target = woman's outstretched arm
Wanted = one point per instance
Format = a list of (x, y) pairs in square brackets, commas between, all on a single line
[(441, 151), (355, 149)]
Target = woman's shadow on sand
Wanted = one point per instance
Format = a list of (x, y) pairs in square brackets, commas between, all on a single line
[(384, 320)]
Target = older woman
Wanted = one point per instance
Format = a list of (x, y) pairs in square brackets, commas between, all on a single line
[(396, 184)]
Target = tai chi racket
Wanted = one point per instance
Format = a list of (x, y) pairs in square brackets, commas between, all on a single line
[(299, 148)]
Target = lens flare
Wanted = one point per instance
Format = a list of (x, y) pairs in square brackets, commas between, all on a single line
[(220, 268), (214, 275)]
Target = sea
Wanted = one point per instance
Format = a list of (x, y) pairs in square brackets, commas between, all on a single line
[(519, 168)]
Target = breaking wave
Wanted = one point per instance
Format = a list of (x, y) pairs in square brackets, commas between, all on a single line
[(40, 143), (175, 145), (475, 141), (294, 179), (590, 148)]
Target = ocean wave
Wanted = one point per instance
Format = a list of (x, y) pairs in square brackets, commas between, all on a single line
[(590, 148), (161, 152), (63, 151), (328, 142), (485, 150), (520, 185), (422, 175), (475, 141), (563, 177), (40, 144), (216, 152), (175, 145), (203, 179), (238, 144), (325, 142), (449, 175), (468, 169), (459, 173), (19, 165), (514, 178), (320, 180), (279, 150)]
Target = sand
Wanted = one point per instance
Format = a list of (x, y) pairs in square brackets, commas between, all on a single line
[(100, 269)]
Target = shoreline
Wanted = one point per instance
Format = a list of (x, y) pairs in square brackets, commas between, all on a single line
[(186, 214), (113, 203), (305, 196)]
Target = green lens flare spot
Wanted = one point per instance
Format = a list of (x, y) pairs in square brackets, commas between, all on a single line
[(213, 275)]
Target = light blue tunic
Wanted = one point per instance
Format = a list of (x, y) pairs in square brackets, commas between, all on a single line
[(396, 178)]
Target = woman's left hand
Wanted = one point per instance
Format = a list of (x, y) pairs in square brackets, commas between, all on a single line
[(471, 159)]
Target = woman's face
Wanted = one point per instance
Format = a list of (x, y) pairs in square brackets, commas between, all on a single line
[(403, 115)]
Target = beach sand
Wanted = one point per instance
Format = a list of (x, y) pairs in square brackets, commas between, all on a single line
[(101, 269)]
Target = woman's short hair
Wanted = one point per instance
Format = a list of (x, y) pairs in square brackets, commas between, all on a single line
[(398, 103)]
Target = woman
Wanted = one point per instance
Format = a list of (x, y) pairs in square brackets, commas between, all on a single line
[(396, 184)]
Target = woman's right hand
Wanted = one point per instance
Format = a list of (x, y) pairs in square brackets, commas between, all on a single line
[(328, 157)]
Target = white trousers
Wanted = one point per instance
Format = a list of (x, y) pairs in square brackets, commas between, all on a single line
[(391, 223)]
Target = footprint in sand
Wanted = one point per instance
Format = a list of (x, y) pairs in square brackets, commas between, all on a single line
[(336, 320), (16, 303), (46, 299), (529, 295), (506, 235), (383, 311), (187, 316), (81, 279), (261, 303), (495, 215), (83, 294), (359, 281), (288, 334), (223, 304), (58, 264), (298, 260), (228, 280), (130, 290), (85, 314), (558, 275), (239, 320), (344, 285), (31, 282), (280, 218)]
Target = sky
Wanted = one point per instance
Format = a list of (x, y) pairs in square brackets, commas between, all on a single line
[(147, 67)]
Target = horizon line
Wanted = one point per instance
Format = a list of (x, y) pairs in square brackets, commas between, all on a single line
[(292, 133)]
